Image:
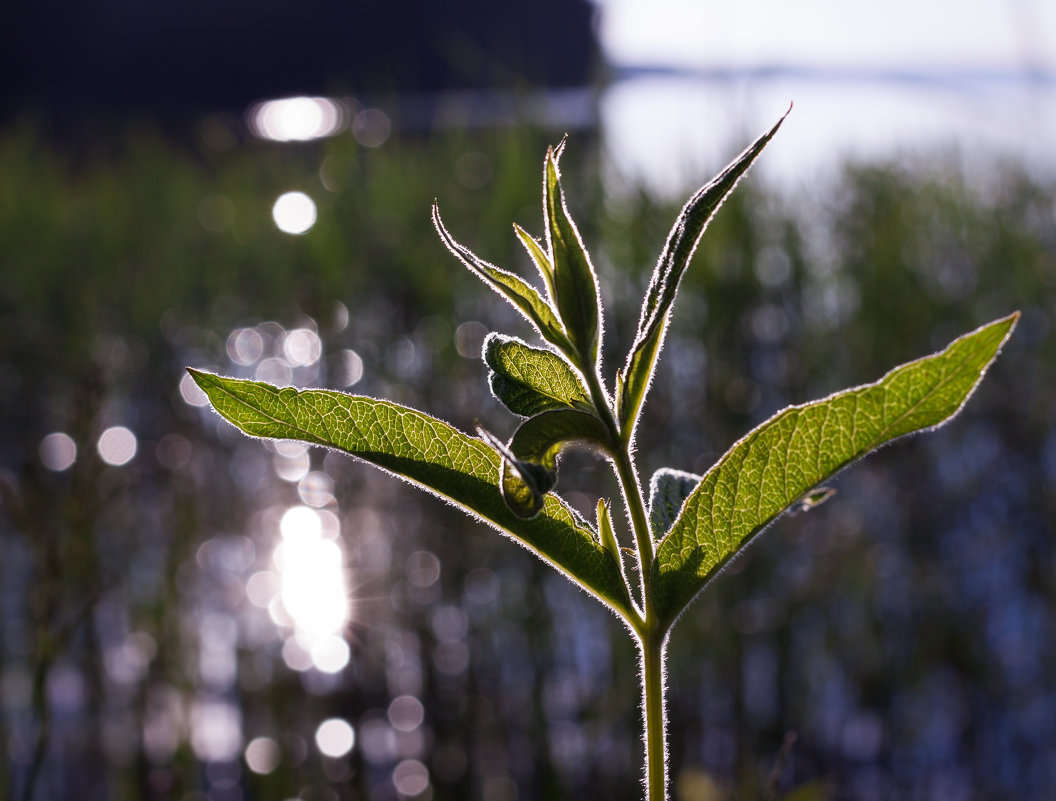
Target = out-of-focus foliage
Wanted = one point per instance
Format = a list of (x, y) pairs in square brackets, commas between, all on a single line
[(904, 629)]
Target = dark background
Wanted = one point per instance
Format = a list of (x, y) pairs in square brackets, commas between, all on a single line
[(173, 59)]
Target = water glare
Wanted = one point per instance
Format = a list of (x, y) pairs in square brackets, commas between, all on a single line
[(371, 127), (411, 777), (302, 347), (262, 755), (294, 213), (245, 346), (312, 591), (296, 119), (191, 393), (216, 731), (349, 368)]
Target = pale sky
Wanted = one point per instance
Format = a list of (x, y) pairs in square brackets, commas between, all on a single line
[(911, 34), (674, 131)]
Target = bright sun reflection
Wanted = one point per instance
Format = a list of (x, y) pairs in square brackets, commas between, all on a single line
[(296, 119), (294, 213), (312, 591)]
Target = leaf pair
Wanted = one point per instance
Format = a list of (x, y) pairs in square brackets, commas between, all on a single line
[(570, 317)]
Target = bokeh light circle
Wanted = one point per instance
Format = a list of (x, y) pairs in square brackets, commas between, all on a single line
[(262, 755), (335, 737), (58, 451), (117, 446), (294, 213)]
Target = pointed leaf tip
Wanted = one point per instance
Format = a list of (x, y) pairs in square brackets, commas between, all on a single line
[(576, 292)]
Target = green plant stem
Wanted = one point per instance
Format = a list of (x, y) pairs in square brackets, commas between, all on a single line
[(652, 639), (652, 647), (629, 485), (632, 494)]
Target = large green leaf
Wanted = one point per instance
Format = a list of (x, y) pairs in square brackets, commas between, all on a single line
[(427, 452), (776, 463), (531, 380), (633, 379)]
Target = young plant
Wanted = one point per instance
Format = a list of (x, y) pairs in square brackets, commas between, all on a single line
[(689, 526)]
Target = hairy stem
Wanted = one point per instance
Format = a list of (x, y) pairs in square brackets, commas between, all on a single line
[(629, 484), (632, 494), (651, 636), (653, 646)]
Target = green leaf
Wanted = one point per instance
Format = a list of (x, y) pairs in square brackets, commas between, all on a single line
[(776, 463), (529, 467), (606, 533), (539, 258), (523, 484), (531, 380), (575, 282), (426, 452), (668, 490), (633, 380), (538, 439), (520, 294)]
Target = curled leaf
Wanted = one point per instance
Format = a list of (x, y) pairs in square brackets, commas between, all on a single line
[(523, 484), (529, 466)]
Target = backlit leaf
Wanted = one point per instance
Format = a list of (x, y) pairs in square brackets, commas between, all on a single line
[(668, 490), (777, 462), (575, 282), (426, 452), (520, 294), (539, 258), (633, 380), (530, 460), (531, 380)]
